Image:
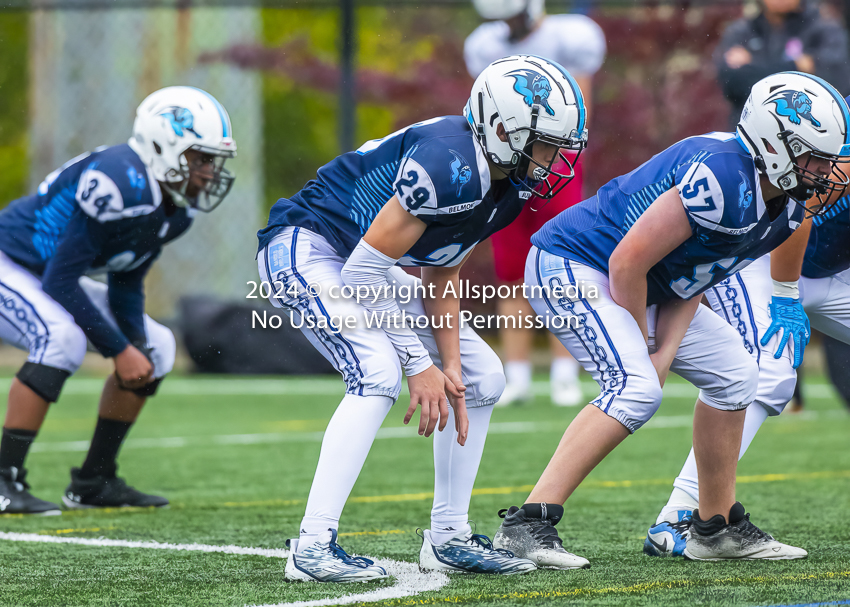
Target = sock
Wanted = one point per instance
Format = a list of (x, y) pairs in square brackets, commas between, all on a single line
[(687, 479), (518, 372), (346, 444), (679, 501), (108, 437), (564, 369), (551, 512), (455, 468), (14, 447)]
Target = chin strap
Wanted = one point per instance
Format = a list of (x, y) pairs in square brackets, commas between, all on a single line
[(178, 197)]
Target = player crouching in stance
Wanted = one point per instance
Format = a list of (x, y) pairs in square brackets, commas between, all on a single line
[(653, 241), (423, 197), (109, 211), (810, 281)]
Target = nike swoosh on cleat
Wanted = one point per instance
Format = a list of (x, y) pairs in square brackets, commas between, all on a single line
[(661, 547)]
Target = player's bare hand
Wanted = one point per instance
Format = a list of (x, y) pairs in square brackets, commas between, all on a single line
[(428, 390), (737, 57), (133, 368), (455, 389)]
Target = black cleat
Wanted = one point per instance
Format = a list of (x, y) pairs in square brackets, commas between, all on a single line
[(15, 499), (106, 492)]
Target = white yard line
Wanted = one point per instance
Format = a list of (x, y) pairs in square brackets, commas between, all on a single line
[(87, 541), (409, 581)]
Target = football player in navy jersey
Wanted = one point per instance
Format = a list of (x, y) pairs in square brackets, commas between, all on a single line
[(652, 242), (109, 211), (424, 197), (810, 281)]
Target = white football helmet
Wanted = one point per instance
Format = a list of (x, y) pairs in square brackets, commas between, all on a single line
[(535, 100), (179, 118), (791, 113), (506, 9)]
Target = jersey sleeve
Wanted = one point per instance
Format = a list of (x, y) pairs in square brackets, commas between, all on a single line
[(127, 300), (716, 193), (81, 243), (582, 44), (440, 181), (114, 187)]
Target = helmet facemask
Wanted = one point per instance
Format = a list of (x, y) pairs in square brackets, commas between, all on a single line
[(215, 187), (547, 179), (810, 183)]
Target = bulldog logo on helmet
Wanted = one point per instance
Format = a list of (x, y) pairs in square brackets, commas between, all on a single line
[(534, 88), (461, 173), (181, 119), (795, 105)]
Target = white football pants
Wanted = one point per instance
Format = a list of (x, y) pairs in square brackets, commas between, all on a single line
[(33, 321), (742, 300), (608, 343), (303, 270)]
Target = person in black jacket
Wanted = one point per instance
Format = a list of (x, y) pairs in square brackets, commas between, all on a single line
[(786, 35)]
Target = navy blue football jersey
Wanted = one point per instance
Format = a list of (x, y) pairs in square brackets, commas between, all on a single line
[(828, 250), (438, 172), (720, 191), (99, 213)]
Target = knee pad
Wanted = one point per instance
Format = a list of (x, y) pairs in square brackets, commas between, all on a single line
[(161, 347), (45, 381), (380, 376), (775, 393), (66, 347), (146, 390), (634, 404), (739, 391), (488, 390)]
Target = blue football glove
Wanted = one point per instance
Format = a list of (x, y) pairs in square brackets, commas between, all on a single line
[(788, 314)]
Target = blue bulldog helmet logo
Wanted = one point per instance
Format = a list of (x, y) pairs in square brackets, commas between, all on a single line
[(181, 120), (745, 194), (533, 85), (795, 105), (461, 173)]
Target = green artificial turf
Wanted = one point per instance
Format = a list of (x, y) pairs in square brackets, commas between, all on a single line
[(241, 457)]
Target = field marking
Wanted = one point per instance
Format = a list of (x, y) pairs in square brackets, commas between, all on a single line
[(636, 588), (360, 533), (87, 541), (847, 602), (61, 531), (402, 432), (592, 484), (409, 580)]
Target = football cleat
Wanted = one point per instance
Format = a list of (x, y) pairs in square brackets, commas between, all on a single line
[(15, 499), (106, 492), (529, 532), (471, 553), (515, 394), (716, 540), (669, 537), (325, 561), (565, 393)]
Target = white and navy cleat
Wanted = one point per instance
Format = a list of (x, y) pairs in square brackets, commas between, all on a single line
[(325, 561), (669, 536), (470, 553)]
